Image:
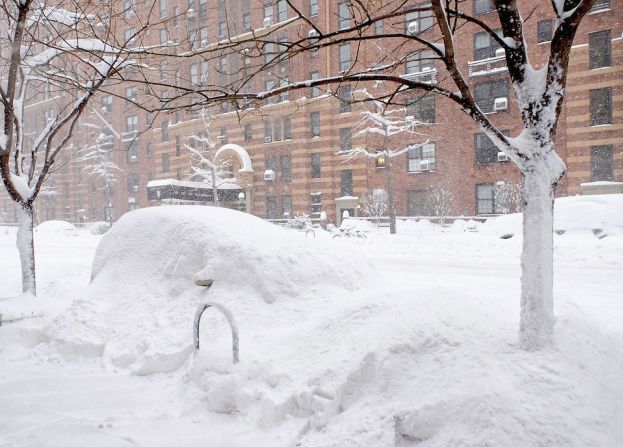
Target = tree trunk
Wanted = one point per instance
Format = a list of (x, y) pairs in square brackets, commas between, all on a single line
[(214, 188), (391, 199), (26, 248), (537, 257)]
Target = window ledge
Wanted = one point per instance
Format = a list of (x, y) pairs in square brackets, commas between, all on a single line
[(421, 172)]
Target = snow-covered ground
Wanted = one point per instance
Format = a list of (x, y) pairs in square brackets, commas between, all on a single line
[(338, 337)]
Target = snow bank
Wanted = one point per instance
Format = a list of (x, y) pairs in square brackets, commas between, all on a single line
[(140, 304), (579, 214), (56, 228)]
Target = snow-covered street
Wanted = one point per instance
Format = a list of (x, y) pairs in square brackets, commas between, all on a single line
[(424, 328)]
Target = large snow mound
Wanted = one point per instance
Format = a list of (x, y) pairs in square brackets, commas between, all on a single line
[(139, 307), (601, 214)]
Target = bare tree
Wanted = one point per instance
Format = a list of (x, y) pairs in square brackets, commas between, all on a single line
[(204, 160), (49, 52), (375, 204), (431, 36), (387, 123)]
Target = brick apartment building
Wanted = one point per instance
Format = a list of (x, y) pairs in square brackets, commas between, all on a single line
[(283, 154)]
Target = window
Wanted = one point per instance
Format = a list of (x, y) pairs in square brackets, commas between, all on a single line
[(315, 165), (287, 129), (163, 8), (269, 53), (315, 91), (268, 86), (131, 123), (600, 104), (164, 36), (269, 163), (203, 36), (223, 136), (486, 93), (203, 7), (545, 30), (133, 182), (268, 10), (277, 129), (286, 206), (486, 200), (600, 5), (315, 124), (248, 132), (271, 207), (164, 70), (107, 104), (343, 13), (285, 95), (222, 65), (419, 62), (422, 19), (313, 8), (148, 149), (483, 6), (346, 182), (246, 21), (268, 131), (316, 203), (129, 34), (486, 151), (599, 49), (286, 167), (485, 46), (222, 29), (420, 202), (282, 10), (165, 131), (601, 163), (132, 151), (346, 139), (422, 109), (421, 158), (128, 7), (378, 28), (345, 63), (345, 96), (165, 163)]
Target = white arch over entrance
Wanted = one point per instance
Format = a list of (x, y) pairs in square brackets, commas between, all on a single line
[(242, 154)]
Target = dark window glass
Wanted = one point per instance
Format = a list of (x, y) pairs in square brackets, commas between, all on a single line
[(343, 12), (286, 206), (346, 139), (483, 6), (422, 109), (286, 167), (165, 131), (277, 129), (545, 30), (165, 163), (486, 151), (486, 93), (600, 49), (485, 46), (601, 163), (316, 203), (313, 7), (248, 132), (287, 129), (420, 203), (346, 182), (271, 207), (269, 163), (600, 105), (315, 166), (345, 95), (315, 124), (484, 198)]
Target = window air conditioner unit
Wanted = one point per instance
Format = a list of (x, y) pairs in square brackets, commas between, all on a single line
[(500, 52), (268, 139), (312, 33), (268, 21), (412, 28), (133, 158), (502, 157), (424, 165), (269, 175), (135, 188), (500, 104), (190, 14)]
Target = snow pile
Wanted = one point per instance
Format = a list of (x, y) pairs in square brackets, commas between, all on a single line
[(56, 228), (579, 214), (142, 299)]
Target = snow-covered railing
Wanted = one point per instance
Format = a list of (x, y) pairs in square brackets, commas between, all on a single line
[(230, 319), (487, 66), (427, 76)]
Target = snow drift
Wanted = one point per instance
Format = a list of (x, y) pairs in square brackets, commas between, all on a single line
[(141, 301)]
